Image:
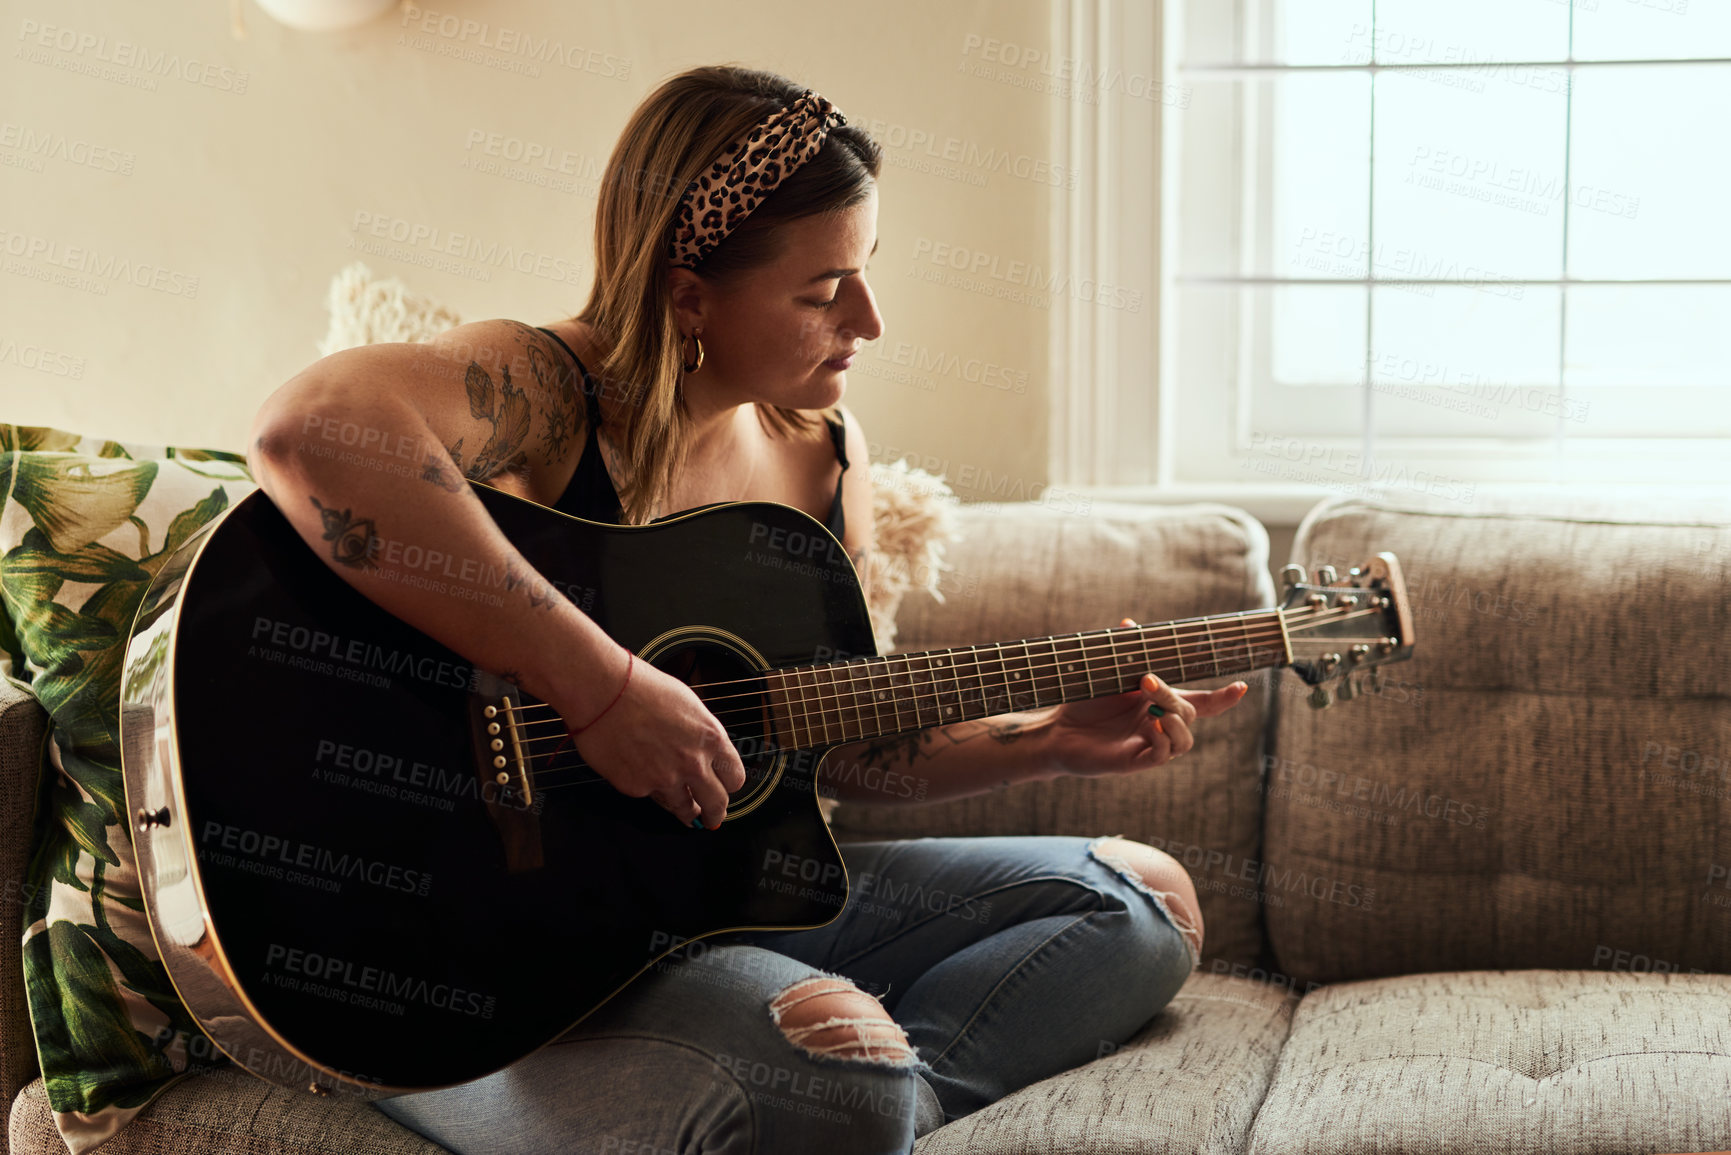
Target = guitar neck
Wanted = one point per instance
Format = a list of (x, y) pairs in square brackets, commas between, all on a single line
[(866, 698)]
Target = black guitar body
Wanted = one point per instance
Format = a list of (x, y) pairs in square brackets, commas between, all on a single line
[(345, 892)]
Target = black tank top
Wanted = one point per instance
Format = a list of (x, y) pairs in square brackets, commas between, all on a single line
[(590, 493)]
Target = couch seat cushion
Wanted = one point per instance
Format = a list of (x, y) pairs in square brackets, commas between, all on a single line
[(1511, 1061), (1190, 1082), (228, 1112)]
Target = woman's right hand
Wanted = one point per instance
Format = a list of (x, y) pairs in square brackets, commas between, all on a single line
[(660, 741)]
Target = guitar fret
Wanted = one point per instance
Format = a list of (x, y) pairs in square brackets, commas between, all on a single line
[(822, 714), (949, 712), (946, 712), (853, 695), (1212, 651), (804, 704), (878, 667), (874, 696), (924, 693), (1030, 693), (1178, 653), (985, 706), (907, 693)]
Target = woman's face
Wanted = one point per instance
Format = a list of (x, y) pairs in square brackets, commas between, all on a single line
[(780, 334)]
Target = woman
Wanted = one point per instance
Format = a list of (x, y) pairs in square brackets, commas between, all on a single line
[(736, 218)]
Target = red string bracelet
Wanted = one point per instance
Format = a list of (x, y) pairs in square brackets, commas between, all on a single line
[(630, 660)]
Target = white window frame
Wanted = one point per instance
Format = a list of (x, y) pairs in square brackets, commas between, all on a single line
[(1113, 398)]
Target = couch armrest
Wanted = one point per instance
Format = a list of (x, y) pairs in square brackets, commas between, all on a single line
[(22, 722)]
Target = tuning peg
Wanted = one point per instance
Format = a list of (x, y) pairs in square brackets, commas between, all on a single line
[(1319, 699), (1325, 575), (1291, 575)]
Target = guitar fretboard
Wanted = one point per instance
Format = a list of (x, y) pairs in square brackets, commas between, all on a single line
[(873, 697)]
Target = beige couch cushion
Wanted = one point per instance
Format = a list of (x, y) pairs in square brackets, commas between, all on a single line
[(1189, 1084), (1549, 782), (1028, 570), (228, 1112), (1549, 1063)]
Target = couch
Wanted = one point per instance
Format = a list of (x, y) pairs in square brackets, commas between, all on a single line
[(1488, 908)]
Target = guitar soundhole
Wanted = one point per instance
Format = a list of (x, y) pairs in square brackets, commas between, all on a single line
[(733, 690)]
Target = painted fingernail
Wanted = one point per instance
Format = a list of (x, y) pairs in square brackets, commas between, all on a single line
[(697, 824), (1155, 711)]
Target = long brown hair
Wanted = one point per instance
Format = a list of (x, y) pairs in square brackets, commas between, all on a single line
[(672, 138)]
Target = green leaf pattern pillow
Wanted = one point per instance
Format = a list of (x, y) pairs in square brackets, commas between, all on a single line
[(84, 526)]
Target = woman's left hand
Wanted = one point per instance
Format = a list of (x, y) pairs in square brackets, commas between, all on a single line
[(1117, 734)]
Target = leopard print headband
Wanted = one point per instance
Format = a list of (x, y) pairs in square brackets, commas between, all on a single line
[(747, 171)]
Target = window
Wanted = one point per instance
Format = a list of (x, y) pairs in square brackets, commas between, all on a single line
[(1434, 243)]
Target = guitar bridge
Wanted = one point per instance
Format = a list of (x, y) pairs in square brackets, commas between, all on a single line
[(511, 741), (501, 763)]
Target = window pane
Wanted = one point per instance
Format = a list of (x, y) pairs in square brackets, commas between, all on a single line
[(1649, 335), (1647, 195), (1624, 30), (1277, 32), (1316, 334), (1464, 31), (1473, 362), (1321, 167), (1275, 179), (1467, 179)]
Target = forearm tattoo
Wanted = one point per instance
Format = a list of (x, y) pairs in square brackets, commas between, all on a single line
[(915, 744), (541, 594), (353, 540)]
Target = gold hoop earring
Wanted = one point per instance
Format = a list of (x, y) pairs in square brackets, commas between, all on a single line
[(693, 365)]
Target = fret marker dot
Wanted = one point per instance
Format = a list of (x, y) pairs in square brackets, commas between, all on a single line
[(1070, 667), (949, 709)]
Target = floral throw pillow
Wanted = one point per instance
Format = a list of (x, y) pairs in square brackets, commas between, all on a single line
[(84, 526)]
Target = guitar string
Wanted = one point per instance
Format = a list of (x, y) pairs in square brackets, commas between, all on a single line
[(839, 695), (1068, 639), (543, 775), (1044, 666)]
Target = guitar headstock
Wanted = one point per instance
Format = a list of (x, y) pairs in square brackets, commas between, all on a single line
[(1347, 629)]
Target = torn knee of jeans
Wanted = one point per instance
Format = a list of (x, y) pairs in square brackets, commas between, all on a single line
[(828, 1030), (1165, 900)]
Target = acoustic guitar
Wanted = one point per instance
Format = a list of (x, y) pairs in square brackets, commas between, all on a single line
[(373, 868)]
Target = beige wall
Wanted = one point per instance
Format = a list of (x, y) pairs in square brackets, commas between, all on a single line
[(193, 192)]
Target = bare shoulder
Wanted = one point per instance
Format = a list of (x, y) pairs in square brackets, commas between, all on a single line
[(504, 399)]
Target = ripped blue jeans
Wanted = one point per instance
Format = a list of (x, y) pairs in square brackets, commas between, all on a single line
[(1005, 961)]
